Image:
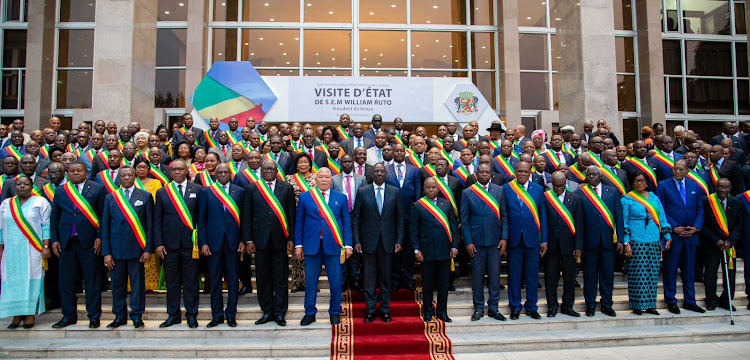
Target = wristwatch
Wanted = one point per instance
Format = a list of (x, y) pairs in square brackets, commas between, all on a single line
[(416, 252), (46, 246)]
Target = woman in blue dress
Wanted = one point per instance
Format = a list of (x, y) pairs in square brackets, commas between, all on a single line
[(22, 293), (645, 225)]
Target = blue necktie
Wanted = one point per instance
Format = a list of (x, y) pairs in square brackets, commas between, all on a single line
[(681, 188), (127, 194), (400, 172), (359, 142), (379, 199), (380, 155)]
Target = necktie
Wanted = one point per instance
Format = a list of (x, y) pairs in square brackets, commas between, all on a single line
[(224, 149), (270, 186), (127, 193), (400, 172), (113, 174), (179, 187), (380, 155), (682, 192), (321, 214), (311, 155), (379, 200), (560, 157), (349, 191), (361, 170), (359, 142)]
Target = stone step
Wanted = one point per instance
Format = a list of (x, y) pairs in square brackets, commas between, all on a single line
[(248, 309)]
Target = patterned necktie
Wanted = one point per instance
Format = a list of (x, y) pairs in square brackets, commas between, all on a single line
[(127, 193), (360, 170), (400, 172)]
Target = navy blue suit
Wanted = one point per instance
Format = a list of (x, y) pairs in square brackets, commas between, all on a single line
[(496, 168), (119, 241), (218, 229), (5, 153), (524, 238), (483, 228), (78, 251), (242, 181), (98, 179), (569, 160), (403, 264), (663, 171), (598, 247), (312, 233), (180, 269), (681, 254), (284, 161)]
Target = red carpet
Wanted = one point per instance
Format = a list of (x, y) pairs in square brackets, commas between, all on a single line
[(407, 337)]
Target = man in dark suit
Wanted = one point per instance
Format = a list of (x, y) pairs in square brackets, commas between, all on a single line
[(112, 173), (495, 178), (76, 240), (599, 240), (681, 199), (718, 242), (101, 160), (155, 158), (726, 169), (222, 148), (357, 140), (28, 168), (565, 244), (348, 183), (319, 157), (639, 163), (221, 243), (361, 167), (377, 122), (174, 243), (556, 154), (269, 235), (735, 153), (378, 233), (526, 241), (434, 246), (187, 125), (727, 131), (665, 159), (317, 244), (16, 144), (504, 154), (406, 178), (482, 211), (283, 159), (609, 157), (123, 247)]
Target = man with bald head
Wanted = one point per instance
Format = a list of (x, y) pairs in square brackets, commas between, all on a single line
[(320, 242)]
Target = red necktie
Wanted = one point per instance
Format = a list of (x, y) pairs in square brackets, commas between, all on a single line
[(311, 155), (224, 149)]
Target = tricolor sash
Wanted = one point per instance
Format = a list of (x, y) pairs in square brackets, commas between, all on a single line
[(561, 210), (663, 158), (430, 169), (90, 154), (650, 208), (301, 183), (526, 198), (577, 173), (719, 214), (643, 166), (182, 210), (692, 175), (595, 159), (232, 139), (447, 157), (104, 155), (552, 158), (714, 173), (232, 168), (494, 145), (3, 177), (398, 138), (327, 214), (447, 193), (127, 210), (81, 203), (23, 224), (205, 178), (463, 173), (609, 174), (120, 145), (71, 148), (105, 176), (464, 142), (342, 133), (44, 150), (227, 200), (49, 191), (11, 149), (414, 159), (209, 139), (505, 165), (599, 205), (275, 205), (158, 174), (485, 196), (428, 205), (439, 144), (334, 166)]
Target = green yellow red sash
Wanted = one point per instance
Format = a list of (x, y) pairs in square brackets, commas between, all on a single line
[(485, 196), (90, 154), (205, 178), (692, 175), (209, 139), (158, 174), (447, 193), (11, 149), (595, 159), (342, 133), (250, 175), (72, 148), (714, 173), (232, 139), (44, 150), (430, 169), (599, 205), (132, 218), (526, 198), (552, 158), (334, 166), (577, 173), (49, 191), (505, 165), (182, 210), (439, 144), (438, 214), (327, 215), (561, 210), (23, 224), (650, 208), (464, 142), (301, 183), (120, 144), (104, 155), (663, 158), (414, 159), (462, 173), (643, 166), (494, 145), (275, 205), (445, 155), (81, 203), (398, 138), (609, 174), (719, 214), (227, 200), (232, 168), (105, 176)]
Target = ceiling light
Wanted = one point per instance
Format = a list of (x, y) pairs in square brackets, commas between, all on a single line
[(393, 5), (372, 13), (260, 38), (434, 6), (266, 4), (528, 18), (166, 12), (281, 44), (330, 13), (181, 4)]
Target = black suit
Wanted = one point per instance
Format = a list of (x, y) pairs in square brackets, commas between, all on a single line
[(377, 232), (180, 269), (497, 179), (367, 171), (714, 256), (560, 247), (731, 170), (165, 169), (622, 175), (266, 232)]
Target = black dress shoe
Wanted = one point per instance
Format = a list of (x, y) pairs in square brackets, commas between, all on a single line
[(502, 287), (192, 323), (652, 311), (369, 318), (606, 310), (515, 314), (427, 318), (356, 287), (590, 311), (232, 322), (335, 319), (476, 316), (533, 314), (637, 311), (215, 322), (552, 312), (495, 315), (445, 318), (748, 305), (280, 320), (711, 306), (93, 324), (138, 323), (172, 320), (577, 284), (63, 323), (307, 320), (264, 319), (725, 306), (243, 291), (386, 317), (696, 308), (117, 323), (570, 312), (674, 309)]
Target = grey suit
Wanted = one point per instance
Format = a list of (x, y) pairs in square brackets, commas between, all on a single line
[(222, 157), (350, 144), (339, 184)]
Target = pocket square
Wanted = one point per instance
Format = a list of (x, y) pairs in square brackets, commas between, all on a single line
[(192, 196), (138, 203)]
